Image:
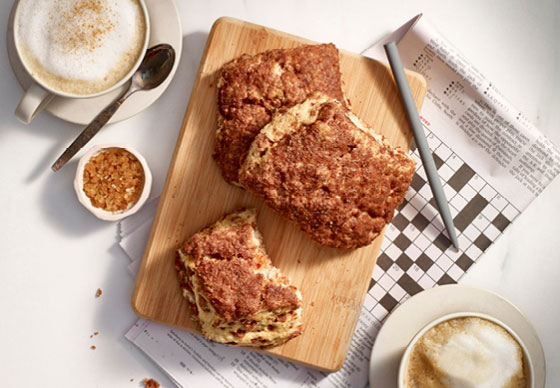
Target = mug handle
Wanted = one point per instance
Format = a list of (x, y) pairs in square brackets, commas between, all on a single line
[(35, 99)]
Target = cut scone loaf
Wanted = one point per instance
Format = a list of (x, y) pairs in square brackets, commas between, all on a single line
[(252, 88), (317, 165), (237, 295)]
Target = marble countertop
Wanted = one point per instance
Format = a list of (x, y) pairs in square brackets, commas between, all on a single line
[(55, 255)]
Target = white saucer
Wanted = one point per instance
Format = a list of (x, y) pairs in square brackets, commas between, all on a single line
[(165, 27), (401, 326)]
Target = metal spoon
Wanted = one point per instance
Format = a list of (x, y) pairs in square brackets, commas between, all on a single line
[(153, 70)]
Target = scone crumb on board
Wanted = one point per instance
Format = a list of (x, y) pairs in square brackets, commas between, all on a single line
[(98, 293), (150, 383), (93, 347)]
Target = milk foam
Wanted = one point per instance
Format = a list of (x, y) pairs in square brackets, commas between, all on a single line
[(87, 41), (467, 353)]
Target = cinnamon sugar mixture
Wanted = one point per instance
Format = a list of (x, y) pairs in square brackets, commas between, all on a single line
[(113, 179)]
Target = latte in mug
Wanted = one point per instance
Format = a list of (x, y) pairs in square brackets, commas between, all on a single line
[(80, 47), (466, 352)]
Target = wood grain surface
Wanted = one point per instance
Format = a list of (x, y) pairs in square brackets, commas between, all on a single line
[(333, 282)]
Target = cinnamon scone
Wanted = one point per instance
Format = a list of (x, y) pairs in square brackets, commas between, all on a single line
[(237, 295), (252, 88), (317, 165)]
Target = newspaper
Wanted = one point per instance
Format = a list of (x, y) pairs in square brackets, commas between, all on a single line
[(492, 161)]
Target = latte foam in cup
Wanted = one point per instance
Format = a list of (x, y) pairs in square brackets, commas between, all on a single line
[(465, 352), (80, 47)]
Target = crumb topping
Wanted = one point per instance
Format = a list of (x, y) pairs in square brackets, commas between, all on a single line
[(232, 287), (222, 242), (276, 297)]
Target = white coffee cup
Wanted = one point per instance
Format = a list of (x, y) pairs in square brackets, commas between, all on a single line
[(529, 370), (39, 94)]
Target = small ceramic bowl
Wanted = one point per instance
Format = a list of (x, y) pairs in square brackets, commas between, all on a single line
[(529, 370), (86, 201)]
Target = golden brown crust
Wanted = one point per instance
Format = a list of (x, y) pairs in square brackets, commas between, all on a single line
[(335, 181), (252, 88)]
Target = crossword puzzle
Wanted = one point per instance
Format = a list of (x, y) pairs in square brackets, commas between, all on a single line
[(416, 253)]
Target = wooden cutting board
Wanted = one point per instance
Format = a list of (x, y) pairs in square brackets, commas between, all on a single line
[(333, 282)]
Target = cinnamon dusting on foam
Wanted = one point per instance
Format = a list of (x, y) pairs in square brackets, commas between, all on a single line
[(84, 25), (80, 46)]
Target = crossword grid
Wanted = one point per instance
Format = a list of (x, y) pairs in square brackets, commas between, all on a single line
[(416, 253)]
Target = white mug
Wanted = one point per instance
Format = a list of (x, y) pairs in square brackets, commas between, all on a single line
[(38, 95), (406, 356)]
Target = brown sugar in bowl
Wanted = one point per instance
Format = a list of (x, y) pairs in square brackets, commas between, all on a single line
[(113, 181)]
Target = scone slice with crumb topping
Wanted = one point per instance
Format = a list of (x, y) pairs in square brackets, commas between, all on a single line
[(238, 296), (320, 167)]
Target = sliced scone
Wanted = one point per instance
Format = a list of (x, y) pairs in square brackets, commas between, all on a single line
[(252, 88), (238, 296), (317, 165)]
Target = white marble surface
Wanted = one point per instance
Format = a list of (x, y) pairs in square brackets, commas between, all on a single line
[(54, 254)]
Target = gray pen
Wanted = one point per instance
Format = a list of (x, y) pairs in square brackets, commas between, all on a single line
[(420, 138)]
